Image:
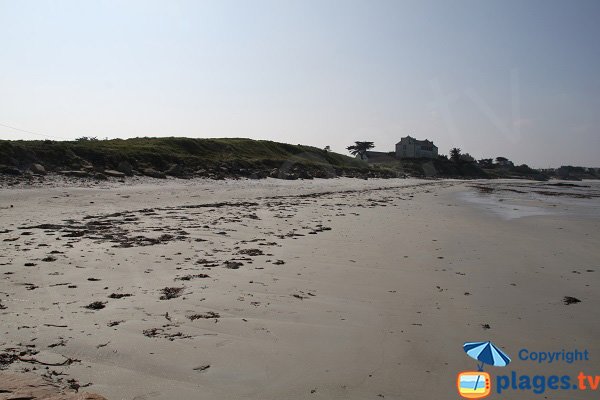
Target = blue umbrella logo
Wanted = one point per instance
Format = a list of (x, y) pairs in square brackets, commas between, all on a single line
[(486, 353)]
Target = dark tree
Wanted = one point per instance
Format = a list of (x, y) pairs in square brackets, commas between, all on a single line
[(360, 148), (486, 162), (523, 169), (455, 154), (467, 158)]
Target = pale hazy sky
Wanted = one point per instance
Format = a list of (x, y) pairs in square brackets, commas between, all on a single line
[(496, 78)]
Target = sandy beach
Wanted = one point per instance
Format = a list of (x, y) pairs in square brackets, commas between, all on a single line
[(273, 289)]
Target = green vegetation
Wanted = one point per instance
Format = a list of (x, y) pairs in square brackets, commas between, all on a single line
[(440, 167), (460, 165), (231, 158), (455, 154), (360, 148), (191, 156)]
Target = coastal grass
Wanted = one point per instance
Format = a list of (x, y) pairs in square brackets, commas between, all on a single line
[(161, 152)]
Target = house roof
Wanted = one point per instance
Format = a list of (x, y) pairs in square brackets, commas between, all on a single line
[(426, 141)]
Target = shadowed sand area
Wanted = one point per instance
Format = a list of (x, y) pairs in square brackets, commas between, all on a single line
[(271, 289)]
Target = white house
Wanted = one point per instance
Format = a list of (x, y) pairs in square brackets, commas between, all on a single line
[(409, 147)]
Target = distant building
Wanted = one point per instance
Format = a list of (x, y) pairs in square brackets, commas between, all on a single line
[(409, 147)]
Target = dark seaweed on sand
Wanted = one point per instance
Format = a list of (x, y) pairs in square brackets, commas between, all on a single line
[(171, 293), (119, 295), (208, 315), (570, 300), (190, 277), (96, 305)]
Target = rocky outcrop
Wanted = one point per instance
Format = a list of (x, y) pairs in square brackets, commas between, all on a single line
[(76, 173), (10, 170), (175, 170), (100, 176), (37, 169), (33, 387), (125, 167), (151, 172), (114, 174)]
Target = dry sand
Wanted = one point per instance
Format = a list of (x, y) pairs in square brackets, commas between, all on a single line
[(323, 289)]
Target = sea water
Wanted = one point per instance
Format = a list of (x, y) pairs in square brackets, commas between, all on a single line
[(510, 199)]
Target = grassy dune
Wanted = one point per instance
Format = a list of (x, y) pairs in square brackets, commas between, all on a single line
[(191, 155)]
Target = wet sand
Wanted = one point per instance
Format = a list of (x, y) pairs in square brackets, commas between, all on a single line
[(324, 289)]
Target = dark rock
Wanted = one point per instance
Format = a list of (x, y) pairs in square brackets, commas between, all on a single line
[(125, 167), (76, 173), (304, 174), (113, 173), (257, 174), (151, 172), (11, 171), (37, 169), (175, 170), (101, 177)]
